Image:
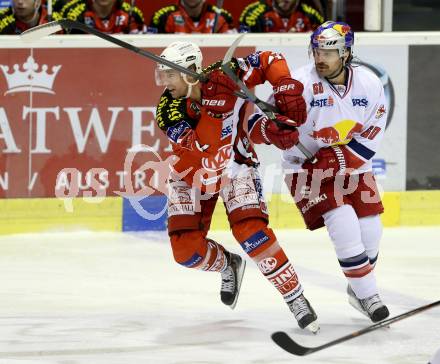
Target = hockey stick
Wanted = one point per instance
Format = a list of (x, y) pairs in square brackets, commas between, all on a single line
[(38, 32), (34, 34), (219, 7), (268, 109), (284, 341)]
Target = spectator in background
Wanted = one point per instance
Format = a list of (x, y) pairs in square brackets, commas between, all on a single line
[(22, 15), (192, 16), (279, 16), (108, 16)]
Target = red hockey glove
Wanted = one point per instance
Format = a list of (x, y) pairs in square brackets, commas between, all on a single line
[(289, 100), (218, 94), (331, 160), (264, 130)]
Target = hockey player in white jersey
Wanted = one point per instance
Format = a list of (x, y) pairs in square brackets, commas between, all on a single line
[(346, 119)]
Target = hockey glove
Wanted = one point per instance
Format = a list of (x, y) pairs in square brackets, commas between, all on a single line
[(264, 130), (218, 94), (331, 161), (289, 100)]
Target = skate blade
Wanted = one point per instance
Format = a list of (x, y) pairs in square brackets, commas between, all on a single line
[(239, 279)]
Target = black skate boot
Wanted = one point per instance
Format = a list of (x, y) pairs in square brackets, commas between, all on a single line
[(304, 314), (231, 280), (372, 306)]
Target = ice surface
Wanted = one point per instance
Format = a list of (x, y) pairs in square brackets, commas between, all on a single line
[(115, 298)]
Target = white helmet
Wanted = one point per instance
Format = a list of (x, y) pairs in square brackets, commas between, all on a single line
[(333, 35), (184, 54)]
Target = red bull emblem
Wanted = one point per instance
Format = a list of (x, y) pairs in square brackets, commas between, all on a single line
[(380, 111), (340, 133)]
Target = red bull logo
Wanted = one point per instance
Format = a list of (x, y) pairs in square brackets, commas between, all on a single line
[(340, 133)]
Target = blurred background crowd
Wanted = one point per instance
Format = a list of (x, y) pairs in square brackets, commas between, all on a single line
[(210, 16)]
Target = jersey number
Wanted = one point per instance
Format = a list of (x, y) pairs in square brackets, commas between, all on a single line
[(318, 88)]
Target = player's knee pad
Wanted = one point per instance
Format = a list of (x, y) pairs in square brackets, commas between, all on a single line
[(371, 231), (189, 247), (344, 230)]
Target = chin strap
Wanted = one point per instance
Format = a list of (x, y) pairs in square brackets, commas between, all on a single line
[(190, 84)]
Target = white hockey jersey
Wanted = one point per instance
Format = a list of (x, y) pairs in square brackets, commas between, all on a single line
[(353, 115)]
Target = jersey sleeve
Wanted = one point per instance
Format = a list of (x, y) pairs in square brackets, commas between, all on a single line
[(365, 143), (314, 16), (251, 18), (7, 21), (226, 22), (264, 66), (73, 10), (174, 116), (160, 18)]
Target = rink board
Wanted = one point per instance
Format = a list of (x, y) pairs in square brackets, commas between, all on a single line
[(415, 208), (72, 134)]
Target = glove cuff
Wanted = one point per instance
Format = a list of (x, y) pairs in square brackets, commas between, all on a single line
[(341, 158), (263, 126)]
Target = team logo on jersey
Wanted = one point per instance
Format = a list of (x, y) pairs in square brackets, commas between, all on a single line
[(363, 102), (326, 102), (340, 133), (175, 132), (254, 60), (381, 111), (219, 161)]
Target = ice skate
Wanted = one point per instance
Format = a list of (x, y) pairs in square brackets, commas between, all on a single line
[(304, 314), (231, 280), (372, 306)]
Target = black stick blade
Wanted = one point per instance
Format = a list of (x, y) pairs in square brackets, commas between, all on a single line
[(286, 343)]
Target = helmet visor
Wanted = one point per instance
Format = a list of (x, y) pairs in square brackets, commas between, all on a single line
[(166, 77)]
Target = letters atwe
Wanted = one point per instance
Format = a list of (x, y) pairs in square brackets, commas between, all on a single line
[(215, 158), (77, 148)]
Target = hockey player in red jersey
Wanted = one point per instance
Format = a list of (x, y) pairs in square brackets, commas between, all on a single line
[(191, 16), (205, 125), (344, 130)]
